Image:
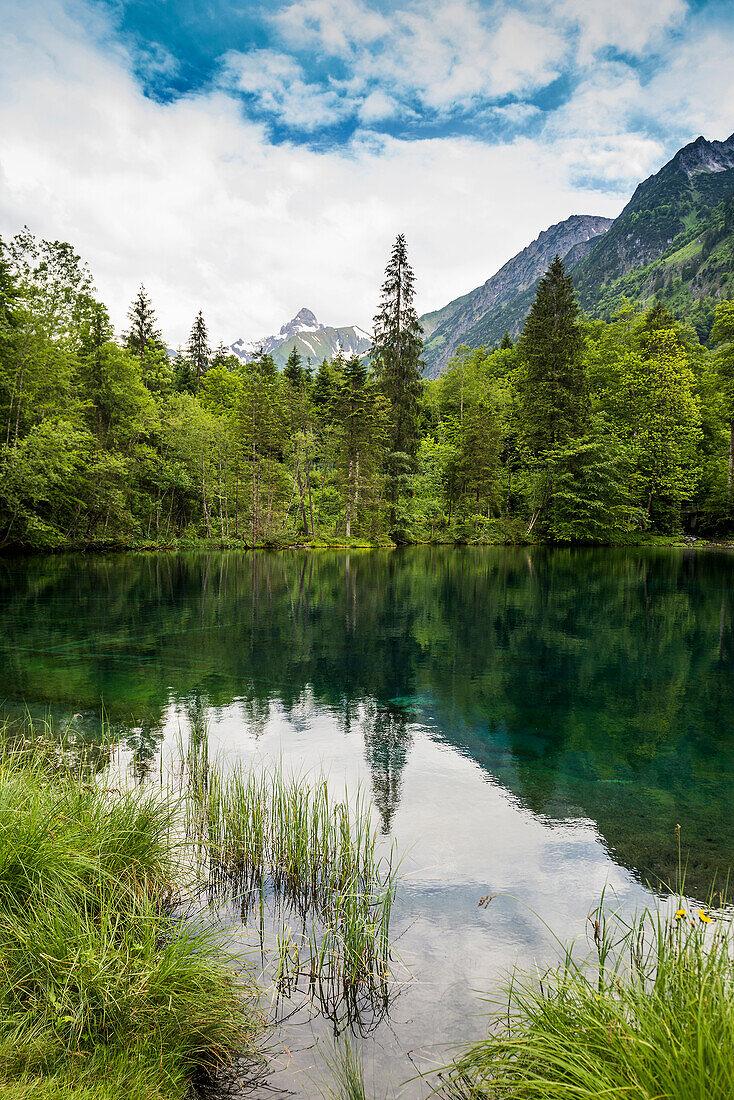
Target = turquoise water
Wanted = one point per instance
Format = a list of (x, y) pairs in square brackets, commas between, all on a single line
[(531, 724)]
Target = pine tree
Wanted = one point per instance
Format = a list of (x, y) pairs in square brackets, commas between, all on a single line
[(142, 332), (359, 415), (555, 392), (506, 342), (199, 352), (223, 357), (397, 347), (293, 371), (396, 355)]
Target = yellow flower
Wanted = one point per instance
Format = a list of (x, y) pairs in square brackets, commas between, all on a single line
[(704, 917), (680, 914)]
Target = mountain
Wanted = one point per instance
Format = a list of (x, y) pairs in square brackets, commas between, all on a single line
[(674, 241), (463, 319), (313, 341)]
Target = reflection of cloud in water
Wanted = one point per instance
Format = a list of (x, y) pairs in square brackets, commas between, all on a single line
[(461, 836)]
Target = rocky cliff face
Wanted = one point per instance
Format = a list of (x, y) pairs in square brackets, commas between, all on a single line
[(446, 329)]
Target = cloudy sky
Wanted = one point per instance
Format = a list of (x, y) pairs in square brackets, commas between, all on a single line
[(251, 158)]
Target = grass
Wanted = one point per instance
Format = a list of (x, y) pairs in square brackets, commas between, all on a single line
[(269, 839), (346, 1072), (104, 992), (651, 1018)]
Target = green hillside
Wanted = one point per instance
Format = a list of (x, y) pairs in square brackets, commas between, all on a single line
[(674, 241), (694, 272)]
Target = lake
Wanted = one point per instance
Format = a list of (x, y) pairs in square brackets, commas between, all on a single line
[(530, 723)]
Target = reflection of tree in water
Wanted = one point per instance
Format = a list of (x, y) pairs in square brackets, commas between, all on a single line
[(144, 744), (387, 740), (593, 682)]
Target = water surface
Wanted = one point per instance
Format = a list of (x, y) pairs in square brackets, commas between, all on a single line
[(531, 724)]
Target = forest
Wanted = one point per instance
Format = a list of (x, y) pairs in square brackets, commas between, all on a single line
[(582, 431)]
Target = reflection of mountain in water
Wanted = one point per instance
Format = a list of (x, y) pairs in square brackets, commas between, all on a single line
[(595, 683)]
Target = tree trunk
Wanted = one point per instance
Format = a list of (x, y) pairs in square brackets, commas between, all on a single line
[(254, 491), (349, 501), (203, 495)]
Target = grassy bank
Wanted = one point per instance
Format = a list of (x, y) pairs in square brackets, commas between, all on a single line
[(104, 993), (652, 1018)]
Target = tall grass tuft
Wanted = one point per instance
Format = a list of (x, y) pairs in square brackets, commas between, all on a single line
[(268, 838), (651, 1018), (346, 1073), (102, 990)]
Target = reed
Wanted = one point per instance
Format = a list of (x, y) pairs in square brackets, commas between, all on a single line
[(650, 1017), (265, 837), (346, 1073)]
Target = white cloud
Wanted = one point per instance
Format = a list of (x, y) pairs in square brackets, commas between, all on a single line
[(445, 54), (196, 200), (697, 84), (277, 82), (377, 106), (627, 25), (333, 26)]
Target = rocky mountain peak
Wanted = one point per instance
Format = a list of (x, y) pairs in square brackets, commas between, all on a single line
[(455, 323), (705, 156), (304, 321)]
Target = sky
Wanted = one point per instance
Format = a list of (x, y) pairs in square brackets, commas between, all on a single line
[(248, 159)]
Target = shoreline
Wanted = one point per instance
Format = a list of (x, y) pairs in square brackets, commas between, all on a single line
[(680, 542)]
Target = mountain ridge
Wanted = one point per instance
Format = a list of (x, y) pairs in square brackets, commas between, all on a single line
[(445, 329), (312, 339)]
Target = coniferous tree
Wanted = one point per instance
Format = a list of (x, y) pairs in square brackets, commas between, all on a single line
[(723, 336), (293, 371), (142, 333), (360, 417), (184, 380), (506, 342), (297, 379), (555, 392), (397, 347), (396, 354), (199, 351)]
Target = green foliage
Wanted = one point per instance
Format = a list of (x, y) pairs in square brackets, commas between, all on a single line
[(102, 989), (651, 1016), (582, 431), (555, 392)]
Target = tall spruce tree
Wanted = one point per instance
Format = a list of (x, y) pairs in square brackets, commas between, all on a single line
[(359, 416), (199, 352), (397, 347), (293, 370), (551, 345), (142, 333)]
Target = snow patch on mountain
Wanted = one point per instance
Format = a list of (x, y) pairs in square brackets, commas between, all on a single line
[(312, 339)]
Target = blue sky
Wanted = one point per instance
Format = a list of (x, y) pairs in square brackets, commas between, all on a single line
[(250, 158), (321, 71)]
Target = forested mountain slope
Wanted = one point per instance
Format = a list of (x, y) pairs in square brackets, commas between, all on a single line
[(673, 241), (446, 328)]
